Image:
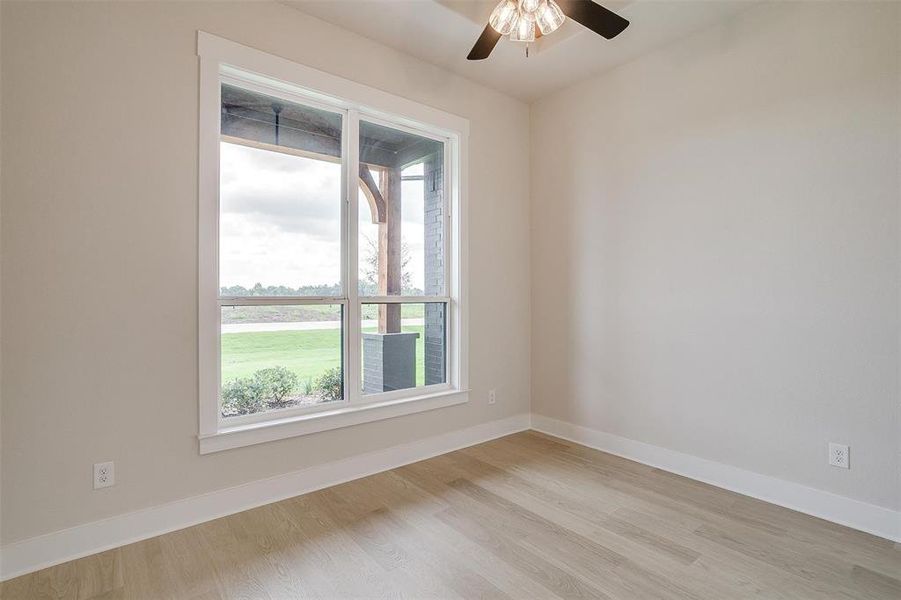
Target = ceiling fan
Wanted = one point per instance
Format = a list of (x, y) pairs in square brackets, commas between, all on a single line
[(526, 20)]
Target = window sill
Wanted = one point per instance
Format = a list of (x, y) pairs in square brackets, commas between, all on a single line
[(346, 416)]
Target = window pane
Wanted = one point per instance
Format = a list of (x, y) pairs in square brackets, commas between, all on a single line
[(276, 357), (280, 197), (404, 346), (401, 213)]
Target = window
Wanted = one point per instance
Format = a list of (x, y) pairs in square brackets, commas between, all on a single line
[(330, 259)]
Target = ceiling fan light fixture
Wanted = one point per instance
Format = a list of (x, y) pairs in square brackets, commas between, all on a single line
[(504, 16), (526, 20), (523, 31), (549, 17)]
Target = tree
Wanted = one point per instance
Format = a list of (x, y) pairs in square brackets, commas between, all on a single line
[(371, 267)]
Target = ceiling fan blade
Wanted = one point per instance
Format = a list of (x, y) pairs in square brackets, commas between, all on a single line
[(485, 44), (594, 16)]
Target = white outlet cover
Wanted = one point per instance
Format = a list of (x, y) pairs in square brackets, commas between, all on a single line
[(839, 455), (104, 475)]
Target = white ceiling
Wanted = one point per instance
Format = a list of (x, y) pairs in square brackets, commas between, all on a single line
[(443, 31)]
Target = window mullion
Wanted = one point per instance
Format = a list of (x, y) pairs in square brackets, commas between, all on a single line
[(353, 360), (403, 299)]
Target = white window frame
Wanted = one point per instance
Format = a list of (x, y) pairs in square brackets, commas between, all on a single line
[(223, 60)]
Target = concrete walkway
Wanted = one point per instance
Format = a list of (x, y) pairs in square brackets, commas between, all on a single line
[(303, 325)]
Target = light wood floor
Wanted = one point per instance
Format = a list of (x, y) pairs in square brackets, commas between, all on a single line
[(526, 516)]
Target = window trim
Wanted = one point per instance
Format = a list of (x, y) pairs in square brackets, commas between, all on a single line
[(222, 59)]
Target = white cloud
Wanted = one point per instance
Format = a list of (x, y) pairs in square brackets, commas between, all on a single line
[(280, 220)]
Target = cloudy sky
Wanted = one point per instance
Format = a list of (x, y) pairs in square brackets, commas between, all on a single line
[(280, 220)]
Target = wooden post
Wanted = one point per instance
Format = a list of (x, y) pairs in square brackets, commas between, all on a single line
[(390, 257)]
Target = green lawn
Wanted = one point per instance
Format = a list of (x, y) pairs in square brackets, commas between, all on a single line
[(307, 353)]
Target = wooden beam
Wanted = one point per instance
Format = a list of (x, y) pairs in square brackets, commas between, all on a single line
[(373, 195), (416, 151), (257, 126), (281, 149)]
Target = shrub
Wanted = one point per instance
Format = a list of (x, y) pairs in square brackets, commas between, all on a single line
[(277, 382), (307, 387), (330, 385), (243, 396)]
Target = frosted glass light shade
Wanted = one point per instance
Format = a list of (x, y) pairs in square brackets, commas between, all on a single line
[(528, 16), (549, 17), (524, 31), (503, 17), (529, 6)]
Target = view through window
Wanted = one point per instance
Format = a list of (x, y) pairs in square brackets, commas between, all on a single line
[(283, 250)]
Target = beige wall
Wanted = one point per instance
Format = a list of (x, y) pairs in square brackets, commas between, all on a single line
[(1, 280), (715, 247), (99, 248)]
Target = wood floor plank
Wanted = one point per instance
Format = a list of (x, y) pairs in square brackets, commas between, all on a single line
[(557, 580), (563, 548), (562, 510), (360, 575), (420, 508), (524, 516), (645, 549), (146, 560), (740, 573), (876, 584), (812, 567), (452, 572), (367, 531)]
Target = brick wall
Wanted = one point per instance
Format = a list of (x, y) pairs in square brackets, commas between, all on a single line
[(435, 314)]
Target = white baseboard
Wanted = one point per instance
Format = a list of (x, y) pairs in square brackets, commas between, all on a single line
[(54, 548), (845, 511)]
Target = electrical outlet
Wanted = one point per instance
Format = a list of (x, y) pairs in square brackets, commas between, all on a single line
[(104, 475), (839, 455), (492, 397)]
